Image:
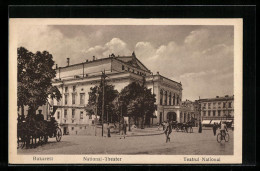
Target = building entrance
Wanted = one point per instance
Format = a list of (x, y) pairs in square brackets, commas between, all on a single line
[(172, 116)]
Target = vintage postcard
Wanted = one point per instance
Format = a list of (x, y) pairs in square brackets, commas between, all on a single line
[(125, 91)]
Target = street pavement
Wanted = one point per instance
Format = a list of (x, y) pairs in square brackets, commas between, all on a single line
[(146, 141)]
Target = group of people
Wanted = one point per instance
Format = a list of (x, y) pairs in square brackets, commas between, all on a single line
[(167, 127)]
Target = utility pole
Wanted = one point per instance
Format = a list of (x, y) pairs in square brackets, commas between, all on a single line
[(103, 101), (96, 107)]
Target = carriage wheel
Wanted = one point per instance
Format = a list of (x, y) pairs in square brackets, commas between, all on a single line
[(20, 143), (58, 135)]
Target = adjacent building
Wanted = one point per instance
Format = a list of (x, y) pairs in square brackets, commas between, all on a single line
[(217, 109), (74, 83)]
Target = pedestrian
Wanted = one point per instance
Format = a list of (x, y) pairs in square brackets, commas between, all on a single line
[(108, 130), (123, 131), (214, 128), (200, 127), (164, 125), (158, 125), (168, 131)]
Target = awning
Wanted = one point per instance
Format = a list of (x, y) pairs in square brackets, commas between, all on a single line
[(215, 121), (229, 121), (206, 121)]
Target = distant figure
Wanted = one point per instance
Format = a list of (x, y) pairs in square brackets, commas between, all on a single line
[(158, 125), (164, 125), (214, 128), (123, 131), (200, 127), (168, 131), (108, 130), (223, 128)]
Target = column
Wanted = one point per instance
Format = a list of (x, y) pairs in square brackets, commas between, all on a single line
[(178, 115), (163, 98)]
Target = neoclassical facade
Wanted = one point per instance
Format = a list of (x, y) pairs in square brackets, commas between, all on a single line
[(74, 83)]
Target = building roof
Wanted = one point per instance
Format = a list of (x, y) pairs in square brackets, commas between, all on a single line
[(217, 98), (130, 60)]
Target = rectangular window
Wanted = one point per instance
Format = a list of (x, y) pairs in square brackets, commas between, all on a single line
[(204, 113), (205, 104), (224, 104), (73, 98), (81, 115), (82, 98), (72, 128), (66, 99), (66, 89), (74, 88), (58, 115), (209, 113), (123, 67), (73, 113), (65, 113), (214, 113), (219, 113), (230, 103), (72, 121)]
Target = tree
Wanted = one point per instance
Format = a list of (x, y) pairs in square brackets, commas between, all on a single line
[(138, 102), (97, 92), (35, 73)]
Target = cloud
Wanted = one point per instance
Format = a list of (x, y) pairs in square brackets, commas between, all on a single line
[(203, 65), (40, 38), (115, 45), (202, 58)]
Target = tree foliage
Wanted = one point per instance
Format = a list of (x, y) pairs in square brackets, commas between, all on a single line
[(138, 101), (35, 73), (96, 95)]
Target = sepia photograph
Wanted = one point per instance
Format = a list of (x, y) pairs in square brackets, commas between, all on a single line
[(125, 91)]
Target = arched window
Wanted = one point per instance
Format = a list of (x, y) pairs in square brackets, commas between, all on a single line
[(173, 99), (166, 95), (170, 99)]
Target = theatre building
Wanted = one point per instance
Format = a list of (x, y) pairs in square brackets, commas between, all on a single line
[(74, 83)]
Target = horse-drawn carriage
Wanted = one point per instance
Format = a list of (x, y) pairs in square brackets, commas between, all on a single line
[(183, 127), (35, 130)]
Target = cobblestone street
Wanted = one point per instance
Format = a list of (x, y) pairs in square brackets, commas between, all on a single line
[(181, 144)]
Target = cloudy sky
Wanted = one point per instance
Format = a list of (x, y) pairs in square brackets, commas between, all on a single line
[(201, 57)]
